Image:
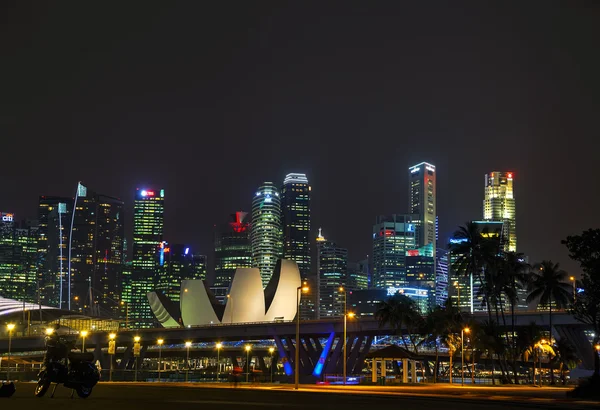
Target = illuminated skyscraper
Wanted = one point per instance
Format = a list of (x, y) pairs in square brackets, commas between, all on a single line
[(148, 225), (422, 202), (393, 236), (232, 249), (295, 213), (499, 205), (179, 264), (332, 265), (266, 235)]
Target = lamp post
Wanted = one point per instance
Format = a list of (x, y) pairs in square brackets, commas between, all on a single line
[(462, 354), (248, 347), (271, 350), (111, 352), (218, 346), (160, 343), (572, 279), (83, 334), (10, 327), (457, 286), (343, 291), (123, 303), (187, 360), (231, 314), (136, 354), (299, 289)]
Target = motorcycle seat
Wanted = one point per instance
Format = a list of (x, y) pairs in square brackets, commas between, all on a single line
[(81, 357)]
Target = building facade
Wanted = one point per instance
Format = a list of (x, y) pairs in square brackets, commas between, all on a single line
[(358, 275), (179, 263), (266, 233), (499, 205), (422, 202), (332, 265), (295, 214), (148, 228), (393, 236), (232, 249)]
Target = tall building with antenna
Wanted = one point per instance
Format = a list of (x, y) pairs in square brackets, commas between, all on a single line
[(499, 205)]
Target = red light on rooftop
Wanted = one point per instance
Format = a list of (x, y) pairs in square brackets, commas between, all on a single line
[(510, 175)]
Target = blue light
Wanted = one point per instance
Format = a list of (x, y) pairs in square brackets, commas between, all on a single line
[(458, 241), (187, 250), (144, 193), (321, 362)]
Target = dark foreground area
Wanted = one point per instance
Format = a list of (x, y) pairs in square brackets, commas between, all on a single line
[(108, 396)]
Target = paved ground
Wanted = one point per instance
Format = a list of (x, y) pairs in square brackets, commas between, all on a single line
[(147, 396)]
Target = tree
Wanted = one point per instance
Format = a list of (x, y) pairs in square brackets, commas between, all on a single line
[(565, 357), (585, 249), (400, 312), (527, 337), (438, 324), (548, 285)]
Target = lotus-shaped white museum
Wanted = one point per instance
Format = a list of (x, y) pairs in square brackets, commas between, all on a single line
[(246, 302)]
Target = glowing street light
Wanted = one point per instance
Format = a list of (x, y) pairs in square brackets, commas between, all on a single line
[(231, 314), (572, 279), (83, 334), (136, 353), (111, 352), (187, 346), (159, 342), (346, 315), (219, 345), (10, 327), (462, 354), (271, 351), (299, 289), (248, 347)]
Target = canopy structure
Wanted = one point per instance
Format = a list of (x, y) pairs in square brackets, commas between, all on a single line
[(394, 353), (10, 306)]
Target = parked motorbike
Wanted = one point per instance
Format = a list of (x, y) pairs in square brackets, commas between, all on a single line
[(76, 371)]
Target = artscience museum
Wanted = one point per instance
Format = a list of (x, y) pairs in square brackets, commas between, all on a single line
[(247, 301)]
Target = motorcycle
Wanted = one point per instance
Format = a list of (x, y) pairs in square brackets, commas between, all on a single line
[(76, 371)]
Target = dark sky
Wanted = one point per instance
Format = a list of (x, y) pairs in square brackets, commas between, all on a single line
[(209, 99)]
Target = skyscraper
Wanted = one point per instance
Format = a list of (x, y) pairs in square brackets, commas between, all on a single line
[(295, 213), (266, 235), (499, 205), (179, 264), (332, 265), (358, 275), (148, 224), (232, 249), (393, 236), (422, 202)]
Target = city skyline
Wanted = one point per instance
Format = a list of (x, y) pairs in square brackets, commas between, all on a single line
[(351, 102)]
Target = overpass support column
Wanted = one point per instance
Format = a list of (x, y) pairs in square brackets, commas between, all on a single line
[(383, 368), (413, 366), (404, 370), (374, 371)]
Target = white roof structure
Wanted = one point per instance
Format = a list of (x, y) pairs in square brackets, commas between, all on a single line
[(9, 306)]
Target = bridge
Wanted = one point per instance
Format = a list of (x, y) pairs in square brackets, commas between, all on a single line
[(321, 344)]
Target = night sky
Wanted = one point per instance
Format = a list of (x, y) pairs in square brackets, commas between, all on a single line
[(209, 99)]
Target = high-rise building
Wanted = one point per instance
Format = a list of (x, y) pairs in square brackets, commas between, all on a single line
[(393, 236), (232, 249), (332, 265), (420, 272), (441, 276), (499, 205), (179, 263), (358, 275), (422, 202), (19, 259), (126, 293), (148, 225), (295, 214), (266, 233)]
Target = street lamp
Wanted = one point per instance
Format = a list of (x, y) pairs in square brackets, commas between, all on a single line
[(123, 303), (10, 327), (271, 350), (187, 360), (111, 350), (83, 334), (231, 314), (456, 285), (462, 354), (572, 279), (299, 289), (160, 343), (218, 346), (248, 347), (136, 353)]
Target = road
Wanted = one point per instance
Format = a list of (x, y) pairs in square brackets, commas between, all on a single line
[(130, 396)]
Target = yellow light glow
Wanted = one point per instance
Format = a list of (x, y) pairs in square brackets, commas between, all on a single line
[(49, 331), (160, 341), (219, 345), (248, 347), (137, 339), (572, 278), (597, 347), (351, 314), (228, 296), (467, 330), (188, 344), (185, 290), (83, 333), (10, 327), (112, 336), (455, 283), (271, 349), (341, 289), (305, 289)]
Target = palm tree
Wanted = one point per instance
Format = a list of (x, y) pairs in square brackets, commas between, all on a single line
[(527, 337), (565, 356), (440, 322), (400, 311), (547, 286)]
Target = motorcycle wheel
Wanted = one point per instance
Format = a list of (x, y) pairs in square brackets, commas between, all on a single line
[(42, 387), (83, 391)]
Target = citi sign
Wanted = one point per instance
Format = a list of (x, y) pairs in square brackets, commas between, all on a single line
[(7, 217)]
